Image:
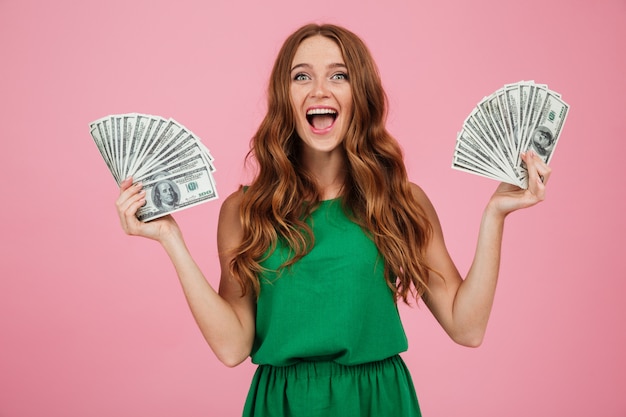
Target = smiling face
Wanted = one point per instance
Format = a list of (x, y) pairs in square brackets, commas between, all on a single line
[(321, 96)]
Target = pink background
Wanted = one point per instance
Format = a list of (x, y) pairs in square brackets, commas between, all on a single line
[(93, 323)]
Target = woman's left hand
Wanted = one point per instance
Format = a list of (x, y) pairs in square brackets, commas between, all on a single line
[(508, 198)]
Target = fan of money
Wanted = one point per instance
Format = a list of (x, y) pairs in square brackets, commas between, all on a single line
[(175, 168), (514, 119)]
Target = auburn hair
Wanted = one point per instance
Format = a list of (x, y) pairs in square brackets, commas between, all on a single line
[(377, 193)]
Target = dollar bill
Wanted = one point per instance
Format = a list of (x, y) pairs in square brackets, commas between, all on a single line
[(177, 192), (545, 132), (174, 165), (517, 117)]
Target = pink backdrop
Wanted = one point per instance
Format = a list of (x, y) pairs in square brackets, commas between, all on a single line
[(93, 323)]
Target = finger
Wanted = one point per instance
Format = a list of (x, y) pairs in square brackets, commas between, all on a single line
[(127, 191), (127, 207), (538, 171), (542, 168), (131, 224), (535, 180), (538, 176), (127, 188), (126, 183), (543, 173)]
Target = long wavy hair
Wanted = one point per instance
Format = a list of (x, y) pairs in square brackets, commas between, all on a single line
[(376, 194)]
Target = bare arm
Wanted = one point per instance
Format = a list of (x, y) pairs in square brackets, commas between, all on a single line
[(463, 306), (225, 319)]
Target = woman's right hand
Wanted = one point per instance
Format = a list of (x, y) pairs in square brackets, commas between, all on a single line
[(131, 198)]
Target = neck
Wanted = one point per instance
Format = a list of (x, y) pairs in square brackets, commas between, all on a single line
[(329, 170)]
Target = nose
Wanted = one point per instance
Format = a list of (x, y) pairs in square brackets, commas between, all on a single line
[(320, 88)]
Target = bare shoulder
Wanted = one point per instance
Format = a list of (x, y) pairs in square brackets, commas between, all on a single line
[(418, 192), (229, 230), (229, 212), (229, 237), (232, 203), (423, 200)]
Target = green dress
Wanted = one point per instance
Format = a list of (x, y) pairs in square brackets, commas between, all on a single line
[(328, 332)]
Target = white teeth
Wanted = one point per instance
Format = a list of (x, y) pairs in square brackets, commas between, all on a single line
[(320, 111)]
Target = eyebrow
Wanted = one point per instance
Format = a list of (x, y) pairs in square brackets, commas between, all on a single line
[(308, 66)]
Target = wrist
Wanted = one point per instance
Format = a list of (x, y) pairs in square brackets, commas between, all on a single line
[(493, 211), (171, 237)]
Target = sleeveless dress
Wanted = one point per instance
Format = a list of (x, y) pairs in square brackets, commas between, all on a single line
[(328, 332)]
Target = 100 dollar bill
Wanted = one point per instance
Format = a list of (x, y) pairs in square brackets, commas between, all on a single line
[(176, 192)]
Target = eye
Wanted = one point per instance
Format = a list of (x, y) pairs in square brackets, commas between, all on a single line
[(301, 77), (339, 76)]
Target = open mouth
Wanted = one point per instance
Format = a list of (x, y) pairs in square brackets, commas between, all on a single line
[(321, 118)]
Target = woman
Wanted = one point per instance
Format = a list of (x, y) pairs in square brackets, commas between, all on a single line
[(316, 252)]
